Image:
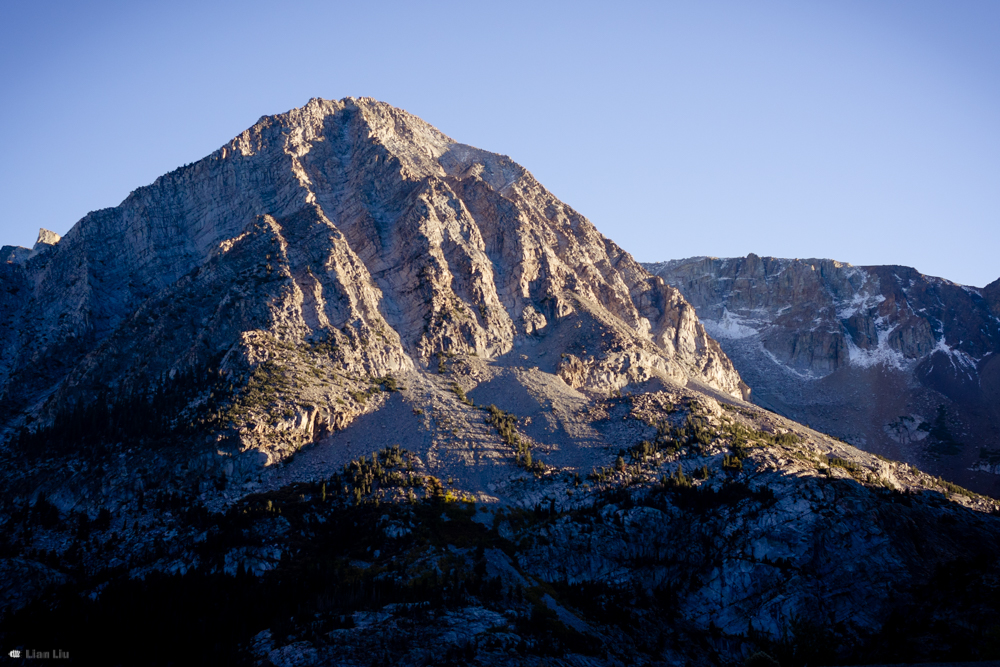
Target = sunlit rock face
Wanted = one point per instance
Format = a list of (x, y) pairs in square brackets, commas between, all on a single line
[(876, 354), (346, 222)]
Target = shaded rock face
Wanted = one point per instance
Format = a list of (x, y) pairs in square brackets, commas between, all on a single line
[(346, 223), (872, 354), (992, 295)]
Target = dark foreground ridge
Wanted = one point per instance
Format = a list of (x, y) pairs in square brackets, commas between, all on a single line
[(694, 545)]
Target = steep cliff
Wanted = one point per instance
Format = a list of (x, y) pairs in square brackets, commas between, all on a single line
[(349, 225), (894, 361), (992, 295)]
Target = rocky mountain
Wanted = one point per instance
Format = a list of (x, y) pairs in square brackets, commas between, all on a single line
[(12, 254), (349, 392), (347, 224), (893, 361)]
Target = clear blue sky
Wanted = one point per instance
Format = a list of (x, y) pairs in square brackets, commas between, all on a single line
[(867, 131)]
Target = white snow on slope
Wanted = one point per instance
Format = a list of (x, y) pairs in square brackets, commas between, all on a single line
[(731, 326), (881, 354), (858, 303), (961, 360), (785, 367), (972, 290)]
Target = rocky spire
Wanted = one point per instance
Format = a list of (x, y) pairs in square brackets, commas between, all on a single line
[(46, 238)]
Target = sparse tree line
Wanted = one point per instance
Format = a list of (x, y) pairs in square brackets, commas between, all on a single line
[(145, 413)]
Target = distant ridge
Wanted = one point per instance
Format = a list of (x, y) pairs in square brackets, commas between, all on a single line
[(896, 362)]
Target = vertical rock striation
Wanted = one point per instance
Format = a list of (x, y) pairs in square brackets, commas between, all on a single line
[(349, 223)]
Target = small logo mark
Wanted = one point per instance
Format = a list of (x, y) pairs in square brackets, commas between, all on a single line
[(15, 654)]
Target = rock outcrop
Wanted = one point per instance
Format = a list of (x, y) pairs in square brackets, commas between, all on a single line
[(348, 223), (360, 394), (992, 295), (723, 530), (896, 362), (11, 254)]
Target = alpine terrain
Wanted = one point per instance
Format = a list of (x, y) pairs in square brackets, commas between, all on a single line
[(348, 392), (893, 361)]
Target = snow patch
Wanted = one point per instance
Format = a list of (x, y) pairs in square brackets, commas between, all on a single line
[(859, 302), (730, 326), (882, 354), (960, 360), (985, 466), (972, 290), (798, 374)]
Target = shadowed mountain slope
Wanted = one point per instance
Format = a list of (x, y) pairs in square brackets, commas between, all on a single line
[(898, 363)]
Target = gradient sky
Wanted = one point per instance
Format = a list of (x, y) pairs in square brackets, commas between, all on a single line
[(864, 131)]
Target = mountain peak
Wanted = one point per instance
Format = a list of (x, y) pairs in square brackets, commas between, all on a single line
[(46, 238), (356, 225)]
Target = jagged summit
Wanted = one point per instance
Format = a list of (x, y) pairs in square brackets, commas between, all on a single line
[(46, 238), (10, 254), (349, 223)]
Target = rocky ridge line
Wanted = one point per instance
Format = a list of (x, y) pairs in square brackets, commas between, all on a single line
[(899, 363), (350, 226)]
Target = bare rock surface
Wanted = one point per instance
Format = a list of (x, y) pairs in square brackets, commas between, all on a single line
[(349, 392), (896, 362), (348, 223)]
